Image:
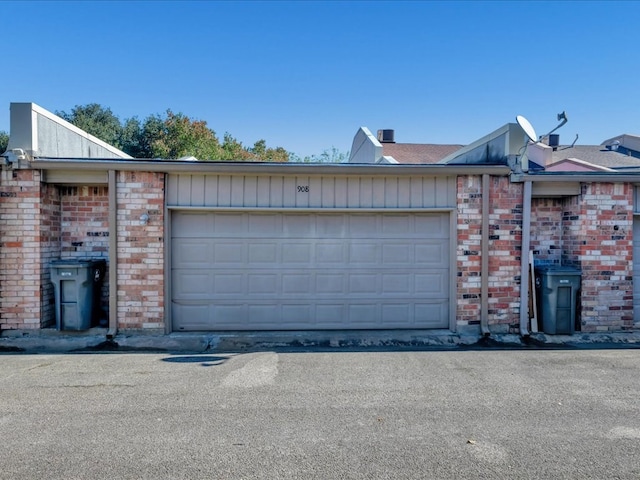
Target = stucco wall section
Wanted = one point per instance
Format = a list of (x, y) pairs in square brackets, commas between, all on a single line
[(140, 269)]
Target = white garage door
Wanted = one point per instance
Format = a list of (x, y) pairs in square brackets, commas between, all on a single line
[(296, 271)]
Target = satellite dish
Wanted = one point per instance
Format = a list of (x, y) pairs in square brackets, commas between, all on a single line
[(528, 129)]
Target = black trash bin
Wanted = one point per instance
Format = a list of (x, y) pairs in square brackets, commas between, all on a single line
[(557, 290), (76, 286)]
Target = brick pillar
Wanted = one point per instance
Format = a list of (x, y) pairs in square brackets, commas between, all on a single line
[(20, 250), (505, 250), (140, 269), (598, 232), (469, 229)]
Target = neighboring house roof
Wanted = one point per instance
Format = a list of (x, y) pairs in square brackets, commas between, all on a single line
[(366, 148), (418, 153), (596, 155), (576, 165)]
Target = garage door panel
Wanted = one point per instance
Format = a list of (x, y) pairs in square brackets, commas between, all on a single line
[(298, 225), (329, 316), (432, 255), (227, 222), (432, 284), (194, 225), (294, 314), (328, 253), (293, 284), (363, 315), (193, 317), (363, 225), (330, 283), (397, 254), (228, 284), (189, 284), (428, 315), (264, 225), (266, 252), (393, 283), (432, 226), (398, 315), (299, 252), (263, 283), (398, 225), (270, 271), (361, 253), (225, 252), (366, 283), (190, 253)]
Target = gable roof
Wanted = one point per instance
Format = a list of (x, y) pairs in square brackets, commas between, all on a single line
[(596, 155), (39, 132), (418, 153)]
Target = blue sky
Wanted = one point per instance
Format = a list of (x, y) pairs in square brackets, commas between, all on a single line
[(305, 75)]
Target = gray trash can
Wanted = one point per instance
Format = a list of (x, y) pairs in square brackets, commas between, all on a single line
[(557, 290), (76, 286)]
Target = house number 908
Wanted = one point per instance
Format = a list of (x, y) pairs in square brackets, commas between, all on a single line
[(303, 188)]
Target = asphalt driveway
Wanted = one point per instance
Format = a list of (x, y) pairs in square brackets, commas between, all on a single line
[(454, 414)]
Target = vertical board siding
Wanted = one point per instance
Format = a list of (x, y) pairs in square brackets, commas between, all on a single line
[(328, 191)]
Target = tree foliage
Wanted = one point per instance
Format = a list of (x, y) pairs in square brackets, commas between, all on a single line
[(97, 121), (173, 135), (4, 141), (332, 155)]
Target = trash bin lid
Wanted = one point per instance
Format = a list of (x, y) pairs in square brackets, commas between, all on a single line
[(558, 270), (72, 263)]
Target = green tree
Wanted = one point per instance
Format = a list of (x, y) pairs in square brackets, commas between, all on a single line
[(173, 135), (97, 121), (233, 149), (332, 155), (4, 141), (180, 136)]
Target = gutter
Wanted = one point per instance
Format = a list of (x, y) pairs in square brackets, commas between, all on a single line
[(484, 268), (113, 256), (267, 168), (524, 259), (584, 177)]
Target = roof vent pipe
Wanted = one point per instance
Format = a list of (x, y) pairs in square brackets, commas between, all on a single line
[(386, 136), (554, 141)]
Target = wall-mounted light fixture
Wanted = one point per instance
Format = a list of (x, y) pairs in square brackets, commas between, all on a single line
[(144, 218)]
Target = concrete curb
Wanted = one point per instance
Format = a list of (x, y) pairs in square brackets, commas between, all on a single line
[(95, 341)]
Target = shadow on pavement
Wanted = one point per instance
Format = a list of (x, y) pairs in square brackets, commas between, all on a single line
[(203, 360)]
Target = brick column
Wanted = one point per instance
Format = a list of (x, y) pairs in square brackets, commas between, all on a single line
[(140, 269), (20, 250)]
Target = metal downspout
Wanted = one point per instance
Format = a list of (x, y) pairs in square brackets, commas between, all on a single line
[(524, 259), (484, 267), (113, 257)]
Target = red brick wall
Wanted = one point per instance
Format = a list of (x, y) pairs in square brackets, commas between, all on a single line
[(598, 231), (505, 237), (50, 249), (546, 229), (85, 231), (469, 230), (20, 250), (140, 251), (505, 247)]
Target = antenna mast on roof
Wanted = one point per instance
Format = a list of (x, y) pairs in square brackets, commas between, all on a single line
[(562, 117)]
